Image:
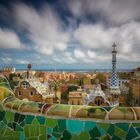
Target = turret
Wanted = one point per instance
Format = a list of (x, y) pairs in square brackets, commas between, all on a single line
[(114, 81)]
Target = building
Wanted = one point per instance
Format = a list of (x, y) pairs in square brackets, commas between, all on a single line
[(32, 89), (97, 97), (8, 70), (29, 73), (77, 97), (135, 84)]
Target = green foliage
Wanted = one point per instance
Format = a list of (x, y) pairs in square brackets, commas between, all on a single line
[(129, 98), (13, 83), (2, 80), (72, 88), (124, 75), (101, 78), (65, 95), (11, 76), (56, 84)]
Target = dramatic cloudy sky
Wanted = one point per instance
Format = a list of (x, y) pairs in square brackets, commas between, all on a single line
[(69, 33)]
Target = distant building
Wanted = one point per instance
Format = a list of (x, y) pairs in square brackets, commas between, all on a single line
[(41, 76), (29, 73), (135, 84), (8, 70)]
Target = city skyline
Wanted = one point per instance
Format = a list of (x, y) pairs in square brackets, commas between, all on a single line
[(69, 34)]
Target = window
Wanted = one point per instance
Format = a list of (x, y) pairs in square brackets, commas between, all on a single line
[(101, 102), (98, 102), (95, 102), (25, 85), (31, 93), (78, 102), (72, 102), (19, 93)]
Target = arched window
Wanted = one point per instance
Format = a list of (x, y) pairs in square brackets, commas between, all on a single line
[(98, 102), (19, 93), (31, 93), (101, 102)]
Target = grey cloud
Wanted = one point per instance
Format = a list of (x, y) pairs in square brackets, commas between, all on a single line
[(112, 11), (44, 27), (10, 40)]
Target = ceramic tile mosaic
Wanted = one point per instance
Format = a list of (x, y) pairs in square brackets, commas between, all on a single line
[(17, 126)]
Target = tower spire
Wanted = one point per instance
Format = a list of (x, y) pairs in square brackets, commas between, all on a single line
[(114, 81)]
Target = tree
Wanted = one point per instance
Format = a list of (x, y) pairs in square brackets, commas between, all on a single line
[(72, 88), (101, 78), (13, 84), (124, 75), (55, 85), (65, 95), (129, 98)]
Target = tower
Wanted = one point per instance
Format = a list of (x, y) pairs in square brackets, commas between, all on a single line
[(29, 69), (114, 81)]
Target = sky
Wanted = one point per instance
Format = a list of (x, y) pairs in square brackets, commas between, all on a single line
[(69, 34)]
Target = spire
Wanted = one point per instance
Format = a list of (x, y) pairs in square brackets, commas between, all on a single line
[(114, 81), (114, 46)]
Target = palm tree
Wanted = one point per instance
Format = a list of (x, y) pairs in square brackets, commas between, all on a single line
[(55, 85)]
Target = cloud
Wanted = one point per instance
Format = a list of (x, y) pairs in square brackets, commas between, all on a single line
[(64, 58), (91, 54), (44, 27), (9, 60), (79, 54), (100, 38), (6, 60), (9, 39), (115, 12), (83, 36), (92, 35), (69, 58), (20, 61)]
